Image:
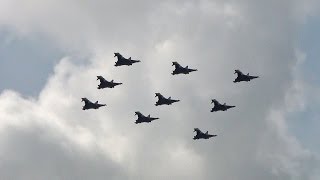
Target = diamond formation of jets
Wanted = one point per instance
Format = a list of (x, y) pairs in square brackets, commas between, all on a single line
[(164, 101), (201, 135), (90, 105), (106, 84), (124, 61), (220, 107), (181, 70), (161, 99), (243, 77), (142, 118)]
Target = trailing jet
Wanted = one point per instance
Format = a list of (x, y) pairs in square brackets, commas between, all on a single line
[(90, 105), (201, 135), (220, 107), (243, 77), (106, 84), (123, 61), (181, 70), (162, 100), (142, 118)]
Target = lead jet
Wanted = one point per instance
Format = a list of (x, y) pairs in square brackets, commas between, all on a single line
[(220, 107), (181, 70), (90, 105), (142, 118), (124, 61), (106, 84), (162, 100), (243, 77), (201, 135)]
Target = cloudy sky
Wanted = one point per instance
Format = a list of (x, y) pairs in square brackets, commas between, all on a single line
[(51, 52)]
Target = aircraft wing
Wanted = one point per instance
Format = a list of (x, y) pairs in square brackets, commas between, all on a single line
[(86, 101), (102, 80), (177, 65), (197, 130)]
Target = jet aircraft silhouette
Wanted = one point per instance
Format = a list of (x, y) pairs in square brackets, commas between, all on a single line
[(164, 101), (220, 107), (90, 105), (124, 61), (106, 84), (181, 70), (201, 135), (142, 118), (243, 77)]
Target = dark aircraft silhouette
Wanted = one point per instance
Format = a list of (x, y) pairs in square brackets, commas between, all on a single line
[(220, 107), (142, 118), (162, 100), (123, 61), (106, 84), (243, 77), (201, 135), (90, 105), (181, 70)]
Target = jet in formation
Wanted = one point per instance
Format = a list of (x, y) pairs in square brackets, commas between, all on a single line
[(201, 135), (106, 84), (124, 61), (181, 70), (164, 101), (220, 107), (243, 77), (142, 118), (90, 105)]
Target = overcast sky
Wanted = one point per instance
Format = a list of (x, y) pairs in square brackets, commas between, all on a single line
[(51, 52)]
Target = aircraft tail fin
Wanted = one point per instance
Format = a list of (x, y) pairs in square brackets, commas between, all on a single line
[(96, 102)]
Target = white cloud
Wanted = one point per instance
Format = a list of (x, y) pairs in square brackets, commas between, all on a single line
[(51, 136)]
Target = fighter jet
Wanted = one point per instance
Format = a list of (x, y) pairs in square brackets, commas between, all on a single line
[(162, 100), (106, 84), (220, 107), (123, 61), (181, 70), (90, 105), (142, 118), (201, 135), (243, 77)]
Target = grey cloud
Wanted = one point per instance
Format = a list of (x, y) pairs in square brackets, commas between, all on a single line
[(38, 155), (212, 36)]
